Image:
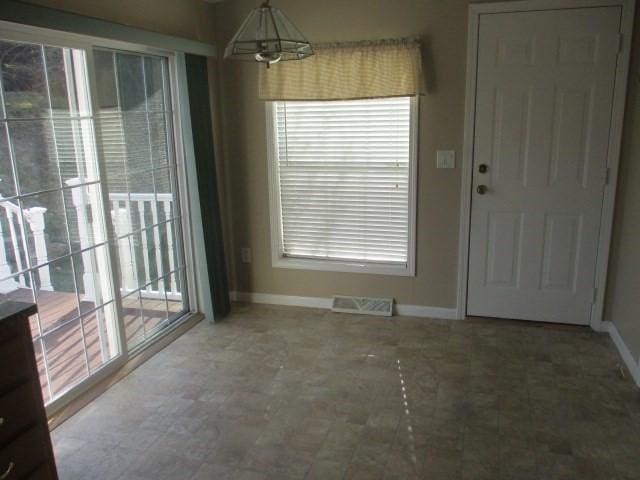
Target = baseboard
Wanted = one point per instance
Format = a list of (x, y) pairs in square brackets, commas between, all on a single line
[(632, 364), (274, 299), (323, 302), (425, 311)]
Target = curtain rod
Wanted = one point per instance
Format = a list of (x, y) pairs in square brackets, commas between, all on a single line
[(370, 43)]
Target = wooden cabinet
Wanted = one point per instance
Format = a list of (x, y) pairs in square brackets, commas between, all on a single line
[(25, 445)]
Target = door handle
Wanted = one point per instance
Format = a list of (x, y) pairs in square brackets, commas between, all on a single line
[(7, 471), (482, 189)]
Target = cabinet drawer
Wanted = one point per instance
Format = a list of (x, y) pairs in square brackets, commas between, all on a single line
[(16, 362), (25, 453), (18, 409), (11, 327), (46, 471)]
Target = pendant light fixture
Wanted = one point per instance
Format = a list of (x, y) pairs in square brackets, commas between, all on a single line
[(268, 36)]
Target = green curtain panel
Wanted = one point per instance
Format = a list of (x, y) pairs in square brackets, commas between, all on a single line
[(198, 85)]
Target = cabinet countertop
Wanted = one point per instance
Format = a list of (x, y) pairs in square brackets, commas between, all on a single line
[(11, 309)]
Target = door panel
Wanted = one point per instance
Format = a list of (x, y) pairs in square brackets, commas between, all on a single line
[(559, 252), (505, 233), (513, 112), (543, 107)]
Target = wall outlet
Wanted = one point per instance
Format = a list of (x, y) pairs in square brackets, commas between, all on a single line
[(245, 254), (446, 159)]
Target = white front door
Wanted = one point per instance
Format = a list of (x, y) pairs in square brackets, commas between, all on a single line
[(543, 109)]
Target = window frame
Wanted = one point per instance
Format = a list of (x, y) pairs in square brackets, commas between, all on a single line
[(280, 260)]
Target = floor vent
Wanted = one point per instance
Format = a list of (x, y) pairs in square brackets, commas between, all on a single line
[(363, 305)]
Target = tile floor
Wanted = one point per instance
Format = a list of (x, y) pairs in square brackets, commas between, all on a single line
[(291, 393)]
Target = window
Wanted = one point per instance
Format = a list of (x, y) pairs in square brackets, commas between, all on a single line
[(87, 155), (342, 177)]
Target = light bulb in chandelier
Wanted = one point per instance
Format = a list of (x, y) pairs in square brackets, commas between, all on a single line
[(268, 57)]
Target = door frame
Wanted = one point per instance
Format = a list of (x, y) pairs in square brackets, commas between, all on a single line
[(476, 10), (184, 164)]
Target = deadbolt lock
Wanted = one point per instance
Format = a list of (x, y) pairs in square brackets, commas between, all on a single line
[(482, 168)]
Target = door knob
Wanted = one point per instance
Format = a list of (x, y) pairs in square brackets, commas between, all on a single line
[(7, 471), (482, 168), (482, 189)]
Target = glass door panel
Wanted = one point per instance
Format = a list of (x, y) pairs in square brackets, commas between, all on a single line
[(53, 249), (135, 125)]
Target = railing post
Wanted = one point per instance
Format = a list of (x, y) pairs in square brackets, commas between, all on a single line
[(157, 245), (35, 217), (167, 215), (127, 267), (78, 198), (7, 284), (10, 210), (96, 270), (143, 236)]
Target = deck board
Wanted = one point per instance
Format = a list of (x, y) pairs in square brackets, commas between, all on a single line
[(64, 334)]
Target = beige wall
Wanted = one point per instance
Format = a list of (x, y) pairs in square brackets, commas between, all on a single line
[(623, 289), (442, 25)]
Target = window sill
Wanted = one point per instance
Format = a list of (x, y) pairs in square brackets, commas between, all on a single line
[(345, 266)]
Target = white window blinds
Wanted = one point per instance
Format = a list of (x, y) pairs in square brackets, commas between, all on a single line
[(343, 179)]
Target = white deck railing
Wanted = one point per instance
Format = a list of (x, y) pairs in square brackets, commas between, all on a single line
[(11, 215), (132, 209), (130, 212), (137, 211)]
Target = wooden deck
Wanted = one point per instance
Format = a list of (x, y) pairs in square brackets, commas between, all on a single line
[(64, 335)]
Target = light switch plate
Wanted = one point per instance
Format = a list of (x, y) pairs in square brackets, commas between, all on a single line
[(446, 159)]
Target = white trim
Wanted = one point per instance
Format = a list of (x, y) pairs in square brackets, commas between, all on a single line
[(30, 34), (20, 13), (532, 5), (413, 185), (274, 299), (613, 162), (405, 310), (278, 260), (632, 364), (467, 162), (192, 231), (275, 221), (615, 136), (402, 310)]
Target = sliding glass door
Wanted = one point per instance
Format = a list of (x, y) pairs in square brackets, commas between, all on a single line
[(89, 206), (135, 126)]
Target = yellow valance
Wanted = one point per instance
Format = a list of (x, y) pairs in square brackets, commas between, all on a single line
[(347, 71)]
